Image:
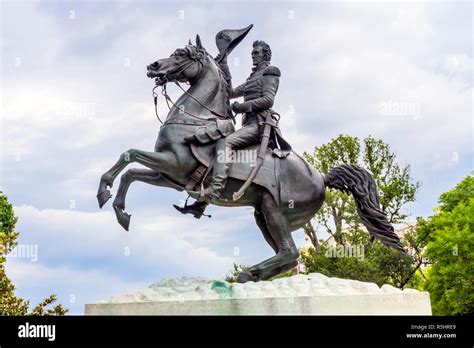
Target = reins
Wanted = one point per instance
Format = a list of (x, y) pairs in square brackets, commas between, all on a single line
[(169, 100)]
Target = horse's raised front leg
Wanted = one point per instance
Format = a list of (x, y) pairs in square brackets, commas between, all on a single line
[(158, 161), (148, 176)]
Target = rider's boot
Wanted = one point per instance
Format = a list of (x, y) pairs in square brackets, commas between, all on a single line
[(220, 173), (197, 209)]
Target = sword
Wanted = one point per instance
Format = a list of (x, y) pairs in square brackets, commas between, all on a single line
[(260, 157)]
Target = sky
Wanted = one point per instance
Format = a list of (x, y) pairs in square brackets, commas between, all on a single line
[(74, 96)]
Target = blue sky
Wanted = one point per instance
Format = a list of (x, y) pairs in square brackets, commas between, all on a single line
[(75, 96)]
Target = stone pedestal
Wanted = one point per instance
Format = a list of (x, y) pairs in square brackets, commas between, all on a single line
[(313, 294)]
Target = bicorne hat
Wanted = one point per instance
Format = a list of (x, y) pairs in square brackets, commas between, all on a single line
[(228, 39)]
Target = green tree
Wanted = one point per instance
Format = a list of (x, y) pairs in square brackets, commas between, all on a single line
[(10, 304), (231, 277), (378, 264), (394, 182), (450, 250)]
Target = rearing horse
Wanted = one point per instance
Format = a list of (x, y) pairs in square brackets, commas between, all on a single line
[(172, 163)]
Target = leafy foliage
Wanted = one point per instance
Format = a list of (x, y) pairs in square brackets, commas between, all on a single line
[(444, 241), (374, 262), (450, 249), (9, 303), (7, 225), (394, 181), (234, 273)]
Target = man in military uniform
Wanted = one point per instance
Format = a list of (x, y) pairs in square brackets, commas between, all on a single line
[(259, 92)]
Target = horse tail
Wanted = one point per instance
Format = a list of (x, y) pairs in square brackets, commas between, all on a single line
[(359, 182)]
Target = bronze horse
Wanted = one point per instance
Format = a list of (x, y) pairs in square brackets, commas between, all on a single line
[(172, 163)]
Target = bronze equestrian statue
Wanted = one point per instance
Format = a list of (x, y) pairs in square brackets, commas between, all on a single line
[(280, 185), (259, 92)]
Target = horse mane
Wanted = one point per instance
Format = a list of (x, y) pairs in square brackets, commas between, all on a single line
[(224, 86)]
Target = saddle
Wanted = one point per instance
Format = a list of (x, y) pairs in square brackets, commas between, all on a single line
[(202, 145), (268, 176)]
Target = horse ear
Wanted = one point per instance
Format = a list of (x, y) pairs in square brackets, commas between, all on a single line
[(198, 42), (190, 43)]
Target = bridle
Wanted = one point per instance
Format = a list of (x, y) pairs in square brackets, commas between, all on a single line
[(193, 58)]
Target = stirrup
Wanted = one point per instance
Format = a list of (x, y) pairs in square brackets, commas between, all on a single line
[(197, 212)]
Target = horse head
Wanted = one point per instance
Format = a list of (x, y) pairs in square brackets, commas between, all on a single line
[(184, 65)]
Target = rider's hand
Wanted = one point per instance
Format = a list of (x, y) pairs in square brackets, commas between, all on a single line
[(240, 108), (236, 107), (224, 59)]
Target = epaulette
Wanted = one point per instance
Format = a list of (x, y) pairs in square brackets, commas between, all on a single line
[(272, 70)]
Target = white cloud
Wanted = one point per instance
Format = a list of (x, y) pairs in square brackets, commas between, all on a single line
[(367, 54), (154, 240), (353, 64), (88, 254), (74, 287)]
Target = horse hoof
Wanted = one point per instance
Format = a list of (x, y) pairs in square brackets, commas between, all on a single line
[(123, 218), (103, 197), (245, 277), (124, 221)]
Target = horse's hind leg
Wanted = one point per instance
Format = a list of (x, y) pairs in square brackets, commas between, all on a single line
[(148, 176), (262, 224), (286, 251), (281, 269)]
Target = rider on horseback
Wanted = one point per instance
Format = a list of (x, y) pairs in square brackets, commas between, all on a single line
[(259, 92), (279, 177)]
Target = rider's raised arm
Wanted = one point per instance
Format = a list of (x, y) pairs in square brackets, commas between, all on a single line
[(233, 92), (271, 80), (225, 70)]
